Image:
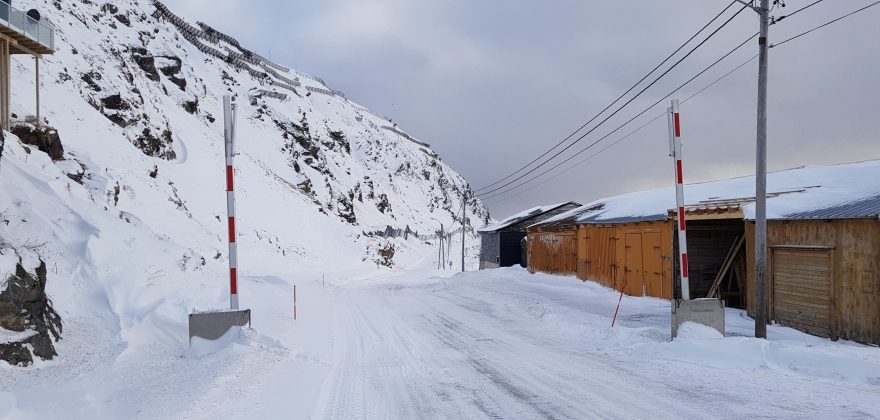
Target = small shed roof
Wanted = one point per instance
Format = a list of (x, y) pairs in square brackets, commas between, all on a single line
[(849, 190), (523, 216)]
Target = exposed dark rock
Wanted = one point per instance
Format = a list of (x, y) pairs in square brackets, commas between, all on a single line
[(152, 145), (383, 204), (114, 102), (123, 19), (24, 306), (339, 137), (77, 177), (146, 62), (117, 119), (384, 254), (345, 210), (191, 106), (174, 68), (179, 81), (44, 138), (90, 79), (108, 7)]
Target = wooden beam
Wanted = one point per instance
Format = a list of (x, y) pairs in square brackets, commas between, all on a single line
[(8, 39), (28, 50), (727, 261)]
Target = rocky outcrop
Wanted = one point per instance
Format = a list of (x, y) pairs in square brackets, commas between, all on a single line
[(44, 138), (27, 316)]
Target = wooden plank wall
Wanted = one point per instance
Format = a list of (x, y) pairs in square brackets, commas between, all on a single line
[(606, 257), (856, 266), (553, 252), (597, 256)]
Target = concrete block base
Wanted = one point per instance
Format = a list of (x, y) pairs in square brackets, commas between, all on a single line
[(212, 325), (709, 312)]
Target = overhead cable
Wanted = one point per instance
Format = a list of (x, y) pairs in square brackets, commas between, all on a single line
[(825, 24), (626, 123), (628, 135), (619, 108), (615, 101)]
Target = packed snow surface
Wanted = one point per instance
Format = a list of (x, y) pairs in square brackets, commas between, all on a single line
[(422, 343)]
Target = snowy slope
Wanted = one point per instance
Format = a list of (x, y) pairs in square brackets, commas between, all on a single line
[(131, 219)]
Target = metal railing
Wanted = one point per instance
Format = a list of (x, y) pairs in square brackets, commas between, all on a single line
[(391, 232), (38, 30)]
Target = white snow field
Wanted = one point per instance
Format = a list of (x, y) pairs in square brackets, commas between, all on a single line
[(130, 222), (427, 343)]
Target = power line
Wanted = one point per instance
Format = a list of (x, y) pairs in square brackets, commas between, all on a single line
[(649, 122), (620, 108), (630, 120), (825, 24), (779, 19), (626, 136), (615, 101)]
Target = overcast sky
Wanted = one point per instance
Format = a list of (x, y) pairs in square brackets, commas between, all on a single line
[(493, 84)]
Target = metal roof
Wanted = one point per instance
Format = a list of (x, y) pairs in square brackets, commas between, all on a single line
[(868, 207), (595, 219), (523, 216)]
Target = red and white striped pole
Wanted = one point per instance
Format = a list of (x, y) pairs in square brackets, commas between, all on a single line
[(229, 136), (675, 152)]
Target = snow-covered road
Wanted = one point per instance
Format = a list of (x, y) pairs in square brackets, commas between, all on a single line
[(418, 343), (507, 344)]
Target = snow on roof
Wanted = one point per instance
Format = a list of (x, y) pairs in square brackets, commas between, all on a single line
[(523, 215), (849, 190)]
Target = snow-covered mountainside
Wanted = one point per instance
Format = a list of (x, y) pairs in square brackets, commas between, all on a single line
[(128, 212)]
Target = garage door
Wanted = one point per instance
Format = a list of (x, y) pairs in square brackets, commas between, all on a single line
[(802, 290)]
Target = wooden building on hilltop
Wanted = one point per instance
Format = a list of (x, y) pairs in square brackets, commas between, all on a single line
[(500, 243), (823, 239)]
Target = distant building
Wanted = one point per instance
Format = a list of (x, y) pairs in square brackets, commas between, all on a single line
[(500, 242), (823, 240)]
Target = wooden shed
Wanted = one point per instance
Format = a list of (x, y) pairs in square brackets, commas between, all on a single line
[(823, 238), (823, 270), (500, 242), (636, 250)]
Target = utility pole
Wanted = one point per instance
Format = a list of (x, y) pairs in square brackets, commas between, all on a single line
[(761, 179), (761, 174), (463, 228)]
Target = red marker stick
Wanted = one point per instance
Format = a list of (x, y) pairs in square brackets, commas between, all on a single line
[(618, 305)]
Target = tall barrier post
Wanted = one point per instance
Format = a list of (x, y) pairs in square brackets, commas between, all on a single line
[(229, 136), (213, 324), (708, 312)]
